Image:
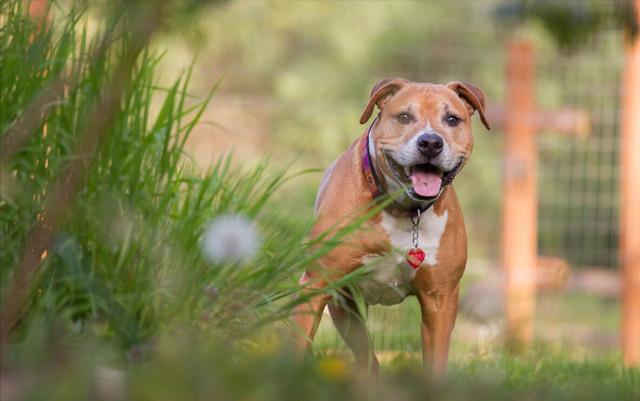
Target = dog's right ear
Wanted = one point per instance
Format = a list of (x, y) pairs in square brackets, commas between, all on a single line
[(380, 95)]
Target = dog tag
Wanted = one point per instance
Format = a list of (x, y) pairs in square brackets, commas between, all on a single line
[(414, 257)]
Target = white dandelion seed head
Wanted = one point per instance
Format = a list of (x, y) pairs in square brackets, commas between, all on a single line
[(231, 238)]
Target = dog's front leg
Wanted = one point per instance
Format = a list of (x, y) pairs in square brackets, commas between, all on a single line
[(439, 309), (306, 316)]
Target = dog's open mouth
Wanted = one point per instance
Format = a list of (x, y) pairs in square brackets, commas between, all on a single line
[(426, 180)]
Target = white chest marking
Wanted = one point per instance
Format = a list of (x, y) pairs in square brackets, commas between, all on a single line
[(390, 279)]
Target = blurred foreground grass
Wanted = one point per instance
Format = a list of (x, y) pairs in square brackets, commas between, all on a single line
[(185, 368), (125, 306), (125, 259)]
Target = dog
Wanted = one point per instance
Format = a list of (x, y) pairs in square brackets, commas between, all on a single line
[(417, 244)]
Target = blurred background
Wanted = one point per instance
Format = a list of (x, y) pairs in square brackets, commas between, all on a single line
[(296, 75), (235, 108)]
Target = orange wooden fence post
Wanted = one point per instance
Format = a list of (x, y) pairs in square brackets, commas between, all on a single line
[(630, 202), (36, 7), (522, 121), (519, 219)]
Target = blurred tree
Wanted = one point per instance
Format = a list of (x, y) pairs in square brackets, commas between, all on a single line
[(569, 22)]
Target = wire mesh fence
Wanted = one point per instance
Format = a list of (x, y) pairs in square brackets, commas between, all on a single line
[(578, 176)]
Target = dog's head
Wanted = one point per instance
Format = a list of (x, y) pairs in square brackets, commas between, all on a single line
[(422, 137)]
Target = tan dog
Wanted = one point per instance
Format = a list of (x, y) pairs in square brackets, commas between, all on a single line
[(417, 144)]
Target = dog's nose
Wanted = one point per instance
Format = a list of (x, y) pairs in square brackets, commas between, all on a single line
[(430, 145)]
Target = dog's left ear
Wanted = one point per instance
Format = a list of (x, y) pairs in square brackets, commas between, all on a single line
[(473, 98), (380, 94)]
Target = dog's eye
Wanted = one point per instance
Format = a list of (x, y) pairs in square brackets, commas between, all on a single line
[(453, 120), (404, 118)]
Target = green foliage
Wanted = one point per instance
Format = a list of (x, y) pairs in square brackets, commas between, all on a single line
[(127, 260), (571, 23)]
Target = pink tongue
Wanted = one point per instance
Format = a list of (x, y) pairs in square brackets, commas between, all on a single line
[(425, 183)]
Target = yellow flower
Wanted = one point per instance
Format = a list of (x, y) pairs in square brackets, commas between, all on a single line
[(333, 368)]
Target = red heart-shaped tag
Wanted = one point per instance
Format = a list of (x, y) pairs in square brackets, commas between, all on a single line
[(414, 257)]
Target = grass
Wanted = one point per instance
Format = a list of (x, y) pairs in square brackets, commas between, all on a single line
[(188, 368), (126, 259), (125, 306)]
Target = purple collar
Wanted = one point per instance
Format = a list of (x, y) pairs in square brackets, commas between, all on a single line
[(367, 165)]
